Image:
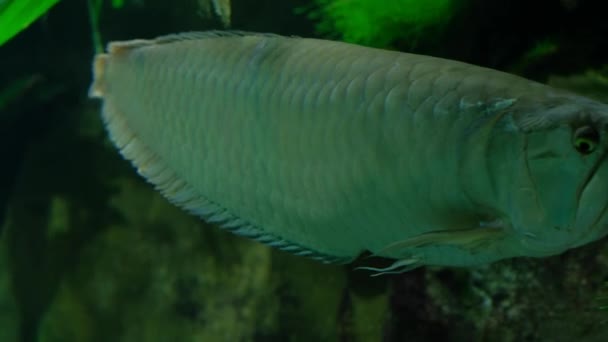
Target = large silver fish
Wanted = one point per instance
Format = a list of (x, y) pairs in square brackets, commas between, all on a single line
[(328, 149)]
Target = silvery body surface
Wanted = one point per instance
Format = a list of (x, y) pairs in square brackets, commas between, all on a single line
[(328, 150)]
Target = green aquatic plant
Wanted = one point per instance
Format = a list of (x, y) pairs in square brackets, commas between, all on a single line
[(377, 23), (94, 8), (16, 15)]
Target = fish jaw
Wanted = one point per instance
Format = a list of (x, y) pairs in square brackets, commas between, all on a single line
[(558, 199), (592, 214)]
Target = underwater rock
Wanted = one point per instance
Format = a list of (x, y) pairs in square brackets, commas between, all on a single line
[(524, 299), (161, 276)]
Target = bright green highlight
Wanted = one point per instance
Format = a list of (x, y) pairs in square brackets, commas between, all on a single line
[(374, 22), (118, 3), (16, 15)]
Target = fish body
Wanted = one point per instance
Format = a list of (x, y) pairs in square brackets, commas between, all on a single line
[(328, 149)]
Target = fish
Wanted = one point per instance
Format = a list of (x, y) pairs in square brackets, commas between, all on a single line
[(332, 150)]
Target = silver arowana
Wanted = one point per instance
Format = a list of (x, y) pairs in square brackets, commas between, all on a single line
[(328, 149)]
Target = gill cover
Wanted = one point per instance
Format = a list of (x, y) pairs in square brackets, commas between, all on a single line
[(560, 190)]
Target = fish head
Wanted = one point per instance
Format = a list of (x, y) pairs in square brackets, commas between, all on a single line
[(559, 191)]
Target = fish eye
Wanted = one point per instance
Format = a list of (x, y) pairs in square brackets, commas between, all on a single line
[(585, 139)]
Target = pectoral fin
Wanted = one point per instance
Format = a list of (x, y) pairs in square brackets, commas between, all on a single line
[(464, 238), (408, 259)]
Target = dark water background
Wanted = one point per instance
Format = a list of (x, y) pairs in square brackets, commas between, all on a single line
[(90, 252)]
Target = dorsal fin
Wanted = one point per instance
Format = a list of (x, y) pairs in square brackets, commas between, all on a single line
[(122, 46), (196, 35)]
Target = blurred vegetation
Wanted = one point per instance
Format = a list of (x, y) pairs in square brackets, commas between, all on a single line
[(15, 90), (602, 300), (16, 15), (372, 23)]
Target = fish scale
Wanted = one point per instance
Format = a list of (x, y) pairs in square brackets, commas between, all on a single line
[(320, 148), (355, 88)]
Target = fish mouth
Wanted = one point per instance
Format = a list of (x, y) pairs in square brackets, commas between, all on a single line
[(592, 203), (589, 220)]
